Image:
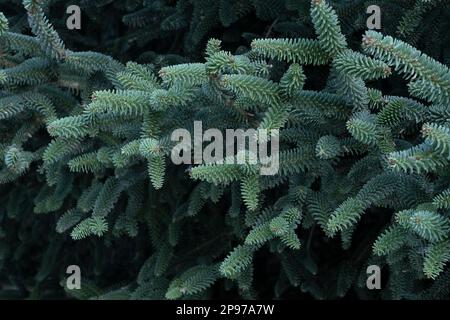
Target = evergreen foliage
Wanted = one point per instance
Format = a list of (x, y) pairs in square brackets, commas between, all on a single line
[(85, 146)]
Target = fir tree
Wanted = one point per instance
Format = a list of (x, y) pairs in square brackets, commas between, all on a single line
[(86, 142)]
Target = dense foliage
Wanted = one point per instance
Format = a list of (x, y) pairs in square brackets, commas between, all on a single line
[(86, 178)]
